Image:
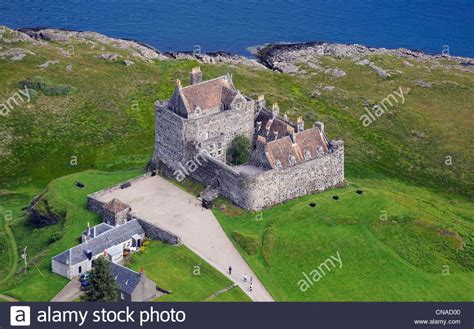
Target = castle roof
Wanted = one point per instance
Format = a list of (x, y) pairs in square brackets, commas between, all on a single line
[(269, 127), (208, 94), (284, 152)]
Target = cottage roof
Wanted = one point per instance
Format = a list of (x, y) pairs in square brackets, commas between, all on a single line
[(208, 94), (99, 244), (115, 205), (98, 229), (126, 278)]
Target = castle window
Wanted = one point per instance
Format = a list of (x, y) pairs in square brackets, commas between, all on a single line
[(307, 155), (278, 164), (291, 159)]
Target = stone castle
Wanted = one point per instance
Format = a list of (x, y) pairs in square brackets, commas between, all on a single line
[(197, 125)]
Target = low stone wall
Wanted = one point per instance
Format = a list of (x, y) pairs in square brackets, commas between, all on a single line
[(154, 232)]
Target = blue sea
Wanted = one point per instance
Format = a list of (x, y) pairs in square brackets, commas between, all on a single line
[(234, 26)]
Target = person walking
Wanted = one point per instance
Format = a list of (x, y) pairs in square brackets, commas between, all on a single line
[(245, 277), (251, 286), (230, 270)]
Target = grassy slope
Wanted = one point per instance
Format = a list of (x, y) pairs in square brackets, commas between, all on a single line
[(401, 259), (40, 284), (174, 269), (104, 128)]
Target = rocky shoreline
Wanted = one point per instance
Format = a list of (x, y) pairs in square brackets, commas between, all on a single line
[(277, 57)]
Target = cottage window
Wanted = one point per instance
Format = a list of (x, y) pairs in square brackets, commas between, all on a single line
[(278, 164), (307, 155)]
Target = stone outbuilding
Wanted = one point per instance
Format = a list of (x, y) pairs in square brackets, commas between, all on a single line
[(115, 212)]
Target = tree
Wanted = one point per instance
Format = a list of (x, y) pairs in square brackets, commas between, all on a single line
[(103, 287), (239, 150)]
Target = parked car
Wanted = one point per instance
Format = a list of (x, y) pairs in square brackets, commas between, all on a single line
[(84, 277), (84, 285)]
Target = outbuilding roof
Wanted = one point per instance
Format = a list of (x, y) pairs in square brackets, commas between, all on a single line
[(126, 278)]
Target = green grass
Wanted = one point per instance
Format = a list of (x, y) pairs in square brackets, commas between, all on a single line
[(107, 124), (187, 276), (39, 283), (401, 259)]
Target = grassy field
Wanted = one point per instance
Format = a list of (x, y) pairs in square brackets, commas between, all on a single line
[(186, 275), (397, 243), (400, 161)]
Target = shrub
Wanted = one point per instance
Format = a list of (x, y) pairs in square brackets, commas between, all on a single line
[(239, 151), (55, 236), (59, 90), (47, 87), (249, 242)]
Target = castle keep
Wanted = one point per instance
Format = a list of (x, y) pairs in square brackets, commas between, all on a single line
[(197, 125)]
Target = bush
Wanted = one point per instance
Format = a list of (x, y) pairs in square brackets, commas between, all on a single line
[(55, 236), (249, 242), (239, 151), (47, 87), (59, 90)]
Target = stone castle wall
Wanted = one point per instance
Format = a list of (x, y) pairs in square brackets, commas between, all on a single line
[(264, 189), (173, 133)]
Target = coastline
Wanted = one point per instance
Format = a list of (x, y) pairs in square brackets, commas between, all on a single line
[(266, 56)]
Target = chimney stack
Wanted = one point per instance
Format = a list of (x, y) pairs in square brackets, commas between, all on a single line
[(196, 75), (300, 124), (275, 110), (260, 102), (320, 125), (292, 133)]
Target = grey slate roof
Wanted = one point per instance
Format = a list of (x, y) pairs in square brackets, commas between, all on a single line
[(98, 244), (99, 229), (126, 278)]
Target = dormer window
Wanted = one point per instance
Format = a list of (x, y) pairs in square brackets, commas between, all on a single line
[(197, 110), (307, 155), (278, 164), (291, 159), (320, 150)]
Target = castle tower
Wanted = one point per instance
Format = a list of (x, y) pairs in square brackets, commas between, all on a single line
[(195, 76)]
